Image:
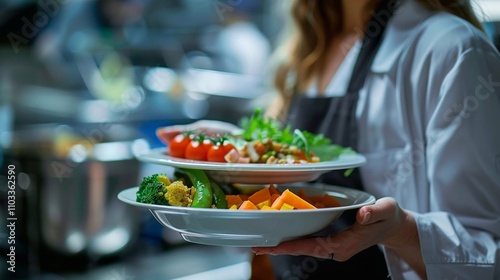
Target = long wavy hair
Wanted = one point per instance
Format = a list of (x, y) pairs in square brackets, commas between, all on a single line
[(315, 22)]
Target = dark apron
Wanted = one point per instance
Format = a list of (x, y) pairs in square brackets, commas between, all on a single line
[(335, 117)]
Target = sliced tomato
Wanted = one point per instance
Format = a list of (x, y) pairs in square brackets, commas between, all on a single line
[(177, 146), (219, 151), (198, 149)]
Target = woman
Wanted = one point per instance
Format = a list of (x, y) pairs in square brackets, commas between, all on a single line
[(423, 114), (414, 86)]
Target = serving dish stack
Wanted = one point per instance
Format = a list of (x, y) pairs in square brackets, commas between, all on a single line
[(252, 228)]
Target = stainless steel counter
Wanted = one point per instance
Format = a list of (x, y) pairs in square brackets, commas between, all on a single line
[(182, 262)]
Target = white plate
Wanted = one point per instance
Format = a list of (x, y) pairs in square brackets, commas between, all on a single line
[(250, 228), (255, 173)]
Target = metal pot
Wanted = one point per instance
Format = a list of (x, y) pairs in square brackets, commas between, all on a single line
[(68, 187)]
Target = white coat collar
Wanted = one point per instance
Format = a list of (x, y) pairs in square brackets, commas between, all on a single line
[(403, 23)]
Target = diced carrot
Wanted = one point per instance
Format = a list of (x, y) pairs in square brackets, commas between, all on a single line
[(318, 204), (294, 200), (302, 194), (233, 200), (244, 196), (248, 205), (273, 190), (267, 199), (315, 198), (273, 197), (330, 201), (278, 202), (260, 196)]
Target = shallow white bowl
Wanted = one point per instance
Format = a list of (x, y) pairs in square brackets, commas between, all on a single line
[(249, 228)]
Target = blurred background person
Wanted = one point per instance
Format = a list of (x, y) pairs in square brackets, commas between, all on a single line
[(240, 45)]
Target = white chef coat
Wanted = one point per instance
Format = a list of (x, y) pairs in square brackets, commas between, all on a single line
[(429, 121)]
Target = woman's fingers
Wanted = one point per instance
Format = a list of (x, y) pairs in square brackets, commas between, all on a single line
[(389, 224), (340, 247), (320, 247), (384, 209)]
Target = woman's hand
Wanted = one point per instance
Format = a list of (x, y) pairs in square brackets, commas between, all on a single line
[(210, 127), (382, 223)]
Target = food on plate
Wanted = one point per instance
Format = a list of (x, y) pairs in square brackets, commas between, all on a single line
[(199, 181), (198, 148), (158, 189), (270, 152), (177, 147), (220, 149), (260, 140), (193, 188), (218, 195), (269, 198)]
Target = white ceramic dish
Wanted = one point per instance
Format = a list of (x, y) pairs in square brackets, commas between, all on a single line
[(253, 173), (249, 228)]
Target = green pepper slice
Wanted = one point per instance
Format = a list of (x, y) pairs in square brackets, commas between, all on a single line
[(218, 195), (203, 191)]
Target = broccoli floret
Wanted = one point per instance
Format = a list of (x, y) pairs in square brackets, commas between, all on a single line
[(152, 189), (157, 189)]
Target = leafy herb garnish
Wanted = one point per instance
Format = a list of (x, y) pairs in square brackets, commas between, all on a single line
[(257, 127)]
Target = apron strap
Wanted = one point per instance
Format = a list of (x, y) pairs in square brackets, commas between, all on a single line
[(372, 38)]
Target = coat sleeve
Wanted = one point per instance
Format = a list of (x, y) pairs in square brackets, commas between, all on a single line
[(460, 236)]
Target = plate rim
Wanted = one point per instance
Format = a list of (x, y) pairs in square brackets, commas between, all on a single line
[(160, 156)]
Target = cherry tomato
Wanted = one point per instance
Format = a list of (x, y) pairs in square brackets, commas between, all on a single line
[(218, 151), (177, 146), (198, 149)]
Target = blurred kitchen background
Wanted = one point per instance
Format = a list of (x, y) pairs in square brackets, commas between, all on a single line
[(83, 86)]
